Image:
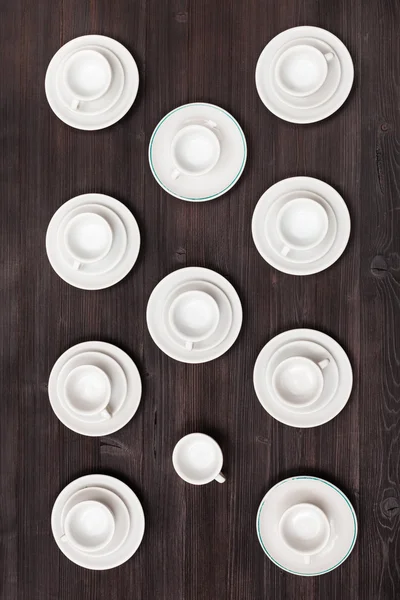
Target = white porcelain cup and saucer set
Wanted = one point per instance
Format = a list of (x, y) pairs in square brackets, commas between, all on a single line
[(304, 74), (91, 82), (94, 388), (197, 152), (97, 522), (92, 241), (301, 225), (194, 315), (306, 525), (198, 459), (303, 378)]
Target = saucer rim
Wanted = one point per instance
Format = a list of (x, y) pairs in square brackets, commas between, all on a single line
[(347, 74), (342, 361), (331, 196), (129, 66), (128, 497), (109, 278), (183, 275), (237, 176), (133, 395), (336, 489)]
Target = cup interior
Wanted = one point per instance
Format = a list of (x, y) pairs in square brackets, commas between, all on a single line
[(89, 525), (305, 528), (195, 149), (88, 237), (197, 458), (87, 74), (194, 315), (87, 389), (297, 381), (301, 70), (302, 223)]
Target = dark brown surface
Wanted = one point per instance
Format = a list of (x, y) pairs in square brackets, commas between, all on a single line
[(200, 543)]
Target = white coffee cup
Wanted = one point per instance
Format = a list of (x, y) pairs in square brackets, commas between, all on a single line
[(301, 224), (195, 150), (87, 391), (305, 529), (193, 316), (88, 238), (87, 76), (302, 69), (89, 526), (298, 381), (198, 459)]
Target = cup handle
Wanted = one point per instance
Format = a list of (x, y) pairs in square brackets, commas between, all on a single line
[(211, 124), (323, 363), (285, 250), (76, 265), (175, 174), (220, 478), (189, 345), (75, 104), (106, 413), (63, 538), (329, 56), (307, 559)]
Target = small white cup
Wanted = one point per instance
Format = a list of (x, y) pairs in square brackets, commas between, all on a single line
[(195, 150), (305, 529), (193, 316), (198, 459), (89, 526), (302, 69), (87, 391), (87, 76), (88, 238), (301, 224), (298, 381)]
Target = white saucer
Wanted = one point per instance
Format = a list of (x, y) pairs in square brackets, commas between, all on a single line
[(106, 102), (272, 99), (229, 167), (136, 530), (118, 247), (327, 497), (224, 306), (320, 96), (316, 353), (299, 256), (113, 502), (123, 414), (113, 370), (155, 314), (326, 411), (304, 185), (83, 120), (79, 278)]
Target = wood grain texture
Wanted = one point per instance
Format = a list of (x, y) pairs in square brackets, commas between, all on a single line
[(200, 543)]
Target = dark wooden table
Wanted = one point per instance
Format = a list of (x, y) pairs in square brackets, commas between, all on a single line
[(200, 543)]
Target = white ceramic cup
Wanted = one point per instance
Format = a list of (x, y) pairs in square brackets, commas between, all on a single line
[(302, 69), (87, 76), (298, 381), (305, 529), (198, 459), (89, 526), (301, 224), (195, 150), (87, 391), (193, 316), (88, 238)]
